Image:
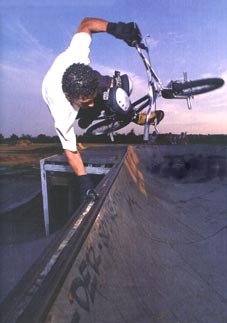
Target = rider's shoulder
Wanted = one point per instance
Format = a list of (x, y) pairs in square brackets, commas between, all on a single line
[(80, 38)]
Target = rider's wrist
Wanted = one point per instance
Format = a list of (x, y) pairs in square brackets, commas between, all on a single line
[(111, 27)]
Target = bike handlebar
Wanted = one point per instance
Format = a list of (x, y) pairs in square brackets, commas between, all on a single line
[(146, 61), (139, 45)]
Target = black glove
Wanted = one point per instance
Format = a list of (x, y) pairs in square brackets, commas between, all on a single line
[(86, 189), (129, 32)]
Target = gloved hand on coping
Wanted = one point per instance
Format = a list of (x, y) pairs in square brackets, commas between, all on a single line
[(86, 189)]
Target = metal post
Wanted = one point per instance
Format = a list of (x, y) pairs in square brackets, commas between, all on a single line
[(45, 195)]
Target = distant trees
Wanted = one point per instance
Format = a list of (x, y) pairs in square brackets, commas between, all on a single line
[(44, 139), (1, 138), (13, 139), (129, 138), (26, 137), (41, 138)]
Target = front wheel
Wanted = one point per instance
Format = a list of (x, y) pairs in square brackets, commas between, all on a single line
[(107, 127), (191, 88)]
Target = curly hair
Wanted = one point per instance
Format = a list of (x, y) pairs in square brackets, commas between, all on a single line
[(79, 80)]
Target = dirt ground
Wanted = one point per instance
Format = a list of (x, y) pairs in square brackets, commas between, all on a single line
[(29, 155)]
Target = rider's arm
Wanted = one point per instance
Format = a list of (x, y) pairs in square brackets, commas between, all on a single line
[(92, 25), (129, 32), (86, 186), (75, 161)]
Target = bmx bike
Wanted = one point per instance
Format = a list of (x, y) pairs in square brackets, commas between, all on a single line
[(179, 89)]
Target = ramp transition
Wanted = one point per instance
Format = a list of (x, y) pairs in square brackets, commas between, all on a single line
[(154, 251)]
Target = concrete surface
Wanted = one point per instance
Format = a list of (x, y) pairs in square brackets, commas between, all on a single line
[(16, 192), (157, 251)]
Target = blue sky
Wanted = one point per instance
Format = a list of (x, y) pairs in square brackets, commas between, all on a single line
[(184, 36)]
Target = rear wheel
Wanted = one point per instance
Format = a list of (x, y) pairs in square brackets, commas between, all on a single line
[(192, 88), (107, 127)]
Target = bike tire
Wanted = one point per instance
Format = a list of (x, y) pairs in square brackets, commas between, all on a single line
[(107, 127), (192, 88)]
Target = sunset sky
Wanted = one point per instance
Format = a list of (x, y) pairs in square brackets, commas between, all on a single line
[(184, 36)]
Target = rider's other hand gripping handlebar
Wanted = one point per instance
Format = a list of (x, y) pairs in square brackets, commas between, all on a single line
[(129, 32)]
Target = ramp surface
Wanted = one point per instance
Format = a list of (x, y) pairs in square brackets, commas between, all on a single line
[(157, 250)]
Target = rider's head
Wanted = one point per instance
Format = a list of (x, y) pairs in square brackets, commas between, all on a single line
[(80, 84)]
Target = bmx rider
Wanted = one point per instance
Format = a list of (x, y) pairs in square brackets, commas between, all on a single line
[(73, 90)]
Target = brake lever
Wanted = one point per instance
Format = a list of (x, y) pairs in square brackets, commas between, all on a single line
[(139, 45), (142, 46)]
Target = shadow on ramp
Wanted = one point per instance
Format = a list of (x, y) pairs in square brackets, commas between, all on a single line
[(156, 251)]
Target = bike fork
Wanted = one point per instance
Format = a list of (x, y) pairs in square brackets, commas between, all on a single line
[(146, 130), (188, 99), (147, 124), (111, 137)]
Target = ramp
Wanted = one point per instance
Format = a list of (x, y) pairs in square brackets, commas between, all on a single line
[(154, 249)]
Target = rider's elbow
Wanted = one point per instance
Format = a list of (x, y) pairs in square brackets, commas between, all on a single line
[(84, 25)]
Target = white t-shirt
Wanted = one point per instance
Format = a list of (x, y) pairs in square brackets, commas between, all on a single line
[(61, 110)]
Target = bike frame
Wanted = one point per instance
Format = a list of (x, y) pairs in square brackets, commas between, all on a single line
[(154, 88), (174, 90)]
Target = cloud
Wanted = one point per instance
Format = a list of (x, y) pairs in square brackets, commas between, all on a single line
[(20, 80), (151, 42), (176, 37), (22, 71), (21, 48), (22, 107), (23, 67)]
